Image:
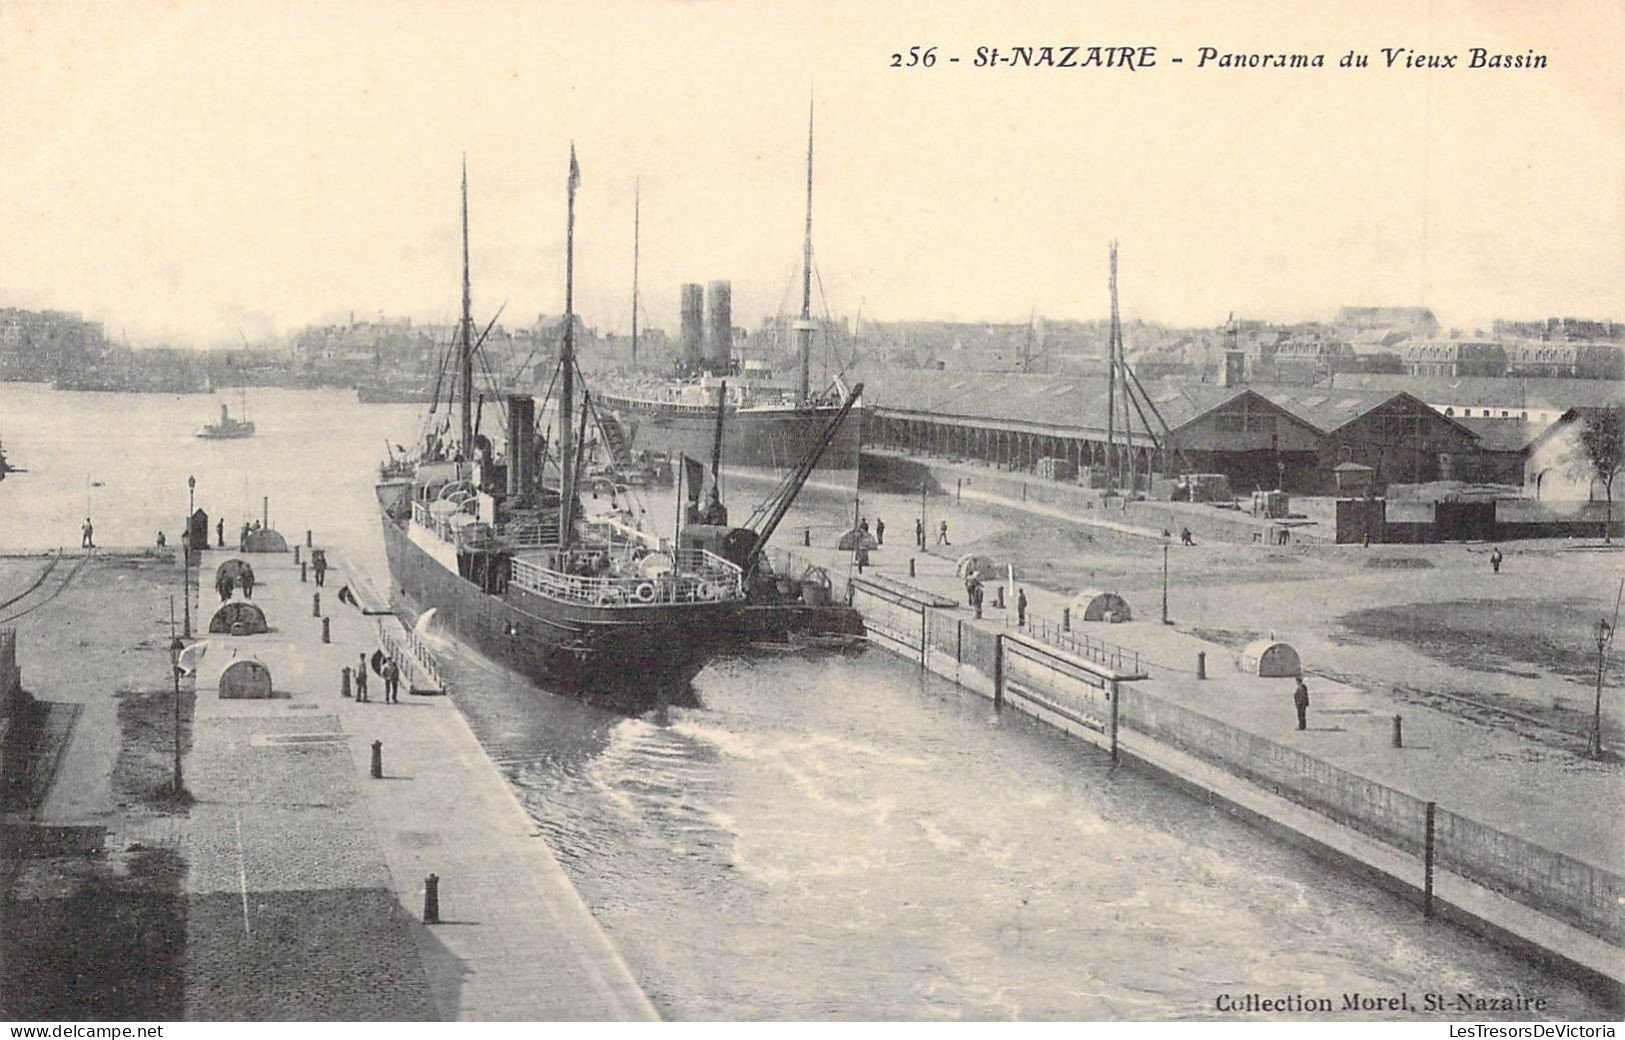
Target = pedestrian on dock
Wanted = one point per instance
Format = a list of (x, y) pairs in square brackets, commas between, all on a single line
[(87, 533), (863, 525), (1495, 559), (880, 531), (162, 541), (242, 542), (942, 534), (1300, 700), (220, 532), (224, 586), (361, 679), (919, 533), (318, 562), (1021, 608), (247, 578), (392, 682), (1185, 536), (976, 597)]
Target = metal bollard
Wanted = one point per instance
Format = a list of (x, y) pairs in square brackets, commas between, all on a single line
[(377, 760), (1399, 737), (296, 554), (327, 630), (431, 899), (911, 566), (344, 682), (308, 542), (1201, 664), (304, 572), (806, 536), (315, 604), (1066, 619)]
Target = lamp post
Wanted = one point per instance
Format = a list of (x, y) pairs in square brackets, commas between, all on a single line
[(1605, 633), (175, 648), (186, 560), (1165, 582)]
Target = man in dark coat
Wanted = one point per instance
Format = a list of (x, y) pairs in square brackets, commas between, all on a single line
[(1300, 700), (1021, 609)]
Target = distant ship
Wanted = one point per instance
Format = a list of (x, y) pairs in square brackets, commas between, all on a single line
[(770, 425), (393, 391), (227, 428)]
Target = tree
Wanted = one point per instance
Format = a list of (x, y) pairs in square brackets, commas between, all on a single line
[(1601, 454)]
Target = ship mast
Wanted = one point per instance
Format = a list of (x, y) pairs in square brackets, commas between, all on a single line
[(635, 204), (466, 379), (567, 362), (804, 326), (1111, 381)]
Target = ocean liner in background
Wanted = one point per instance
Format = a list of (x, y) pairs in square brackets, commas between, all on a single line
[(771, 424), (513, 567)]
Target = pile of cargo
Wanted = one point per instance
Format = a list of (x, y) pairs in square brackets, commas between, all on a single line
[(1057, 469)]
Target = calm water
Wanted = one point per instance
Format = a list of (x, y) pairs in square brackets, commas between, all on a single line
[(827, 836)]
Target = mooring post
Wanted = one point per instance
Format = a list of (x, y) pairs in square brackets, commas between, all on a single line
[(431, 899), (296, 554), (308, 541), (303, 572), (1066, 619), (327, 630), (1399, 737), (315, 604), (1201, 664), (377, 760), (911, 566), (806, 536), (1427, 863), (344, 682)]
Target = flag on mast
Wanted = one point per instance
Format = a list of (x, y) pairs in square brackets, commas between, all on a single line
[(575, 170)]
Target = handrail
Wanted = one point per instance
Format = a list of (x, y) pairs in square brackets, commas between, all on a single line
[(700, 577)]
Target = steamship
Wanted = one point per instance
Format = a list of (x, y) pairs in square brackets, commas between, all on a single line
[(511, 566), (770, 424)]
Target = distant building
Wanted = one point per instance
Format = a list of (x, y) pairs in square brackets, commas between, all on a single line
[(1454, 357), (1413, 322)]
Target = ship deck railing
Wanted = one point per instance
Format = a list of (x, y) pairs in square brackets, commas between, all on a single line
[(699, 577)]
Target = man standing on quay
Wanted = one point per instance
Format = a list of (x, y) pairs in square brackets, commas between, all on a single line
[(1300, 700)]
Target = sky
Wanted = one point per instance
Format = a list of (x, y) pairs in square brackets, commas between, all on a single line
[(205, 173)]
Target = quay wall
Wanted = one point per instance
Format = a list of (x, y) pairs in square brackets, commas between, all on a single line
[(979, 657)]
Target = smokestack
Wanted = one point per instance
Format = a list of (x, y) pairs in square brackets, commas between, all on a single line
[(693, 334), (521, 434), (719, 324)]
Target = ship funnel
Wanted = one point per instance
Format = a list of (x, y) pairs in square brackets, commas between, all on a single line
[(719, 326), (693, 327), (521, 444)]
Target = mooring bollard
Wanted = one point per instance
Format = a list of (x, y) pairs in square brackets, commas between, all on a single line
[(315, 604), (304, 572), (296, 554), (1066, 619), (1399, 737), (344, 682), (431, 899), (327, 630), (1201, 664), (911, 566), (806, 536), (308, 542), (377, 760)]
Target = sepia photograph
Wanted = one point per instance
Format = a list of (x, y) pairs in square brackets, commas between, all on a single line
[(546, 511)]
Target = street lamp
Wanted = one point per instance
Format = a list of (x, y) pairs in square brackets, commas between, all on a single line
[(1165, 581), (186, 563), (175, 648), (1605, 633), (191, 502)]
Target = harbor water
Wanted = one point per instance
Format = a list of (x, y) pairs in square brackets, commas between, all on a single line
[(827, 835)]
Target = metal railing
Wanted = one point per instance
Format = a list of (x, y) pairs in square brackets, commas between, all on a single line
[(1118, 658), (698, 577), (411, 653)]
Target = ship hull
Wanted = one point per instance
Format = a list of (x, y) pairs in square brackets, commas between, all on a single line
[(772, 439), (626, 659)]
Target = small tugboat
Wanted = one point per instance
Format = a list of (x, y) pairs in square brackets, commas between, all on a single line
[(227, 428), (5, 465)]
